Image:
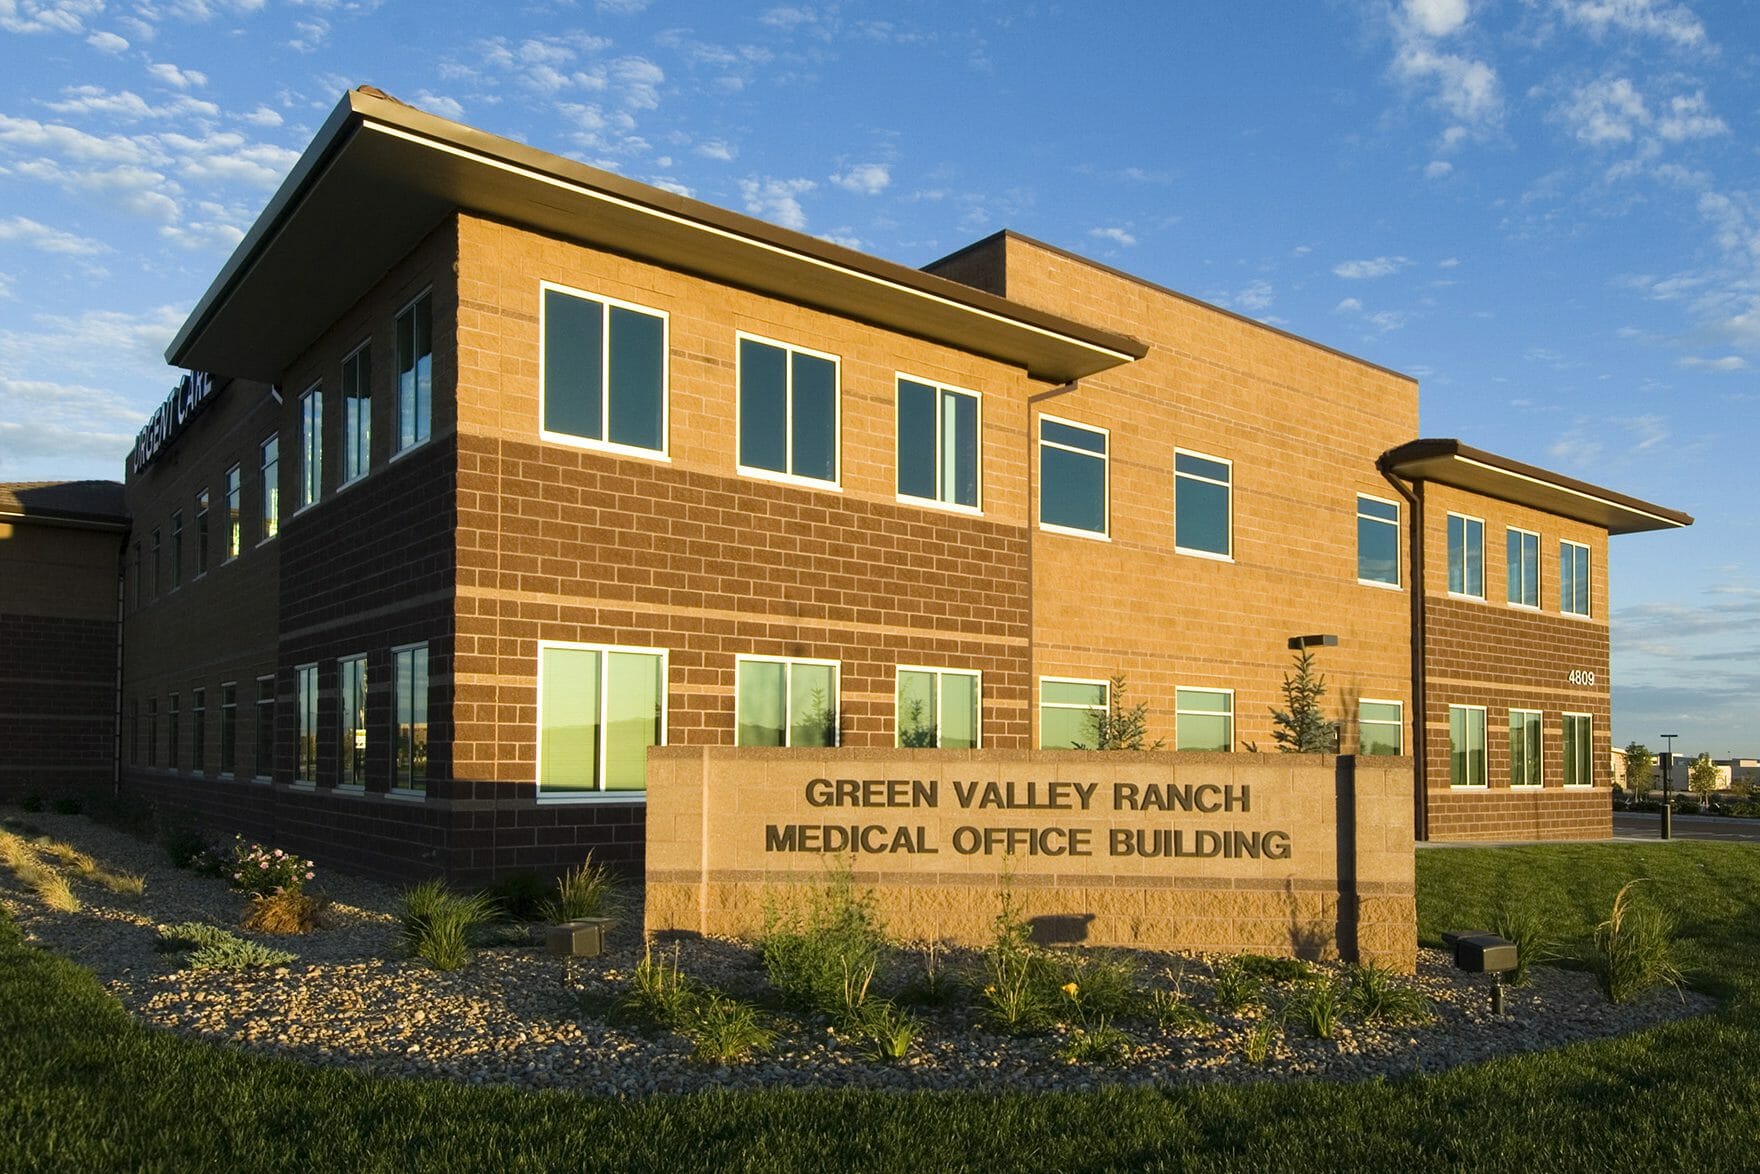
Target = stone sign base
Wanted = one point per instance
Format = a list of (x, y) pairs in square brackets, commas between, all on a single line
[(1303, 855)]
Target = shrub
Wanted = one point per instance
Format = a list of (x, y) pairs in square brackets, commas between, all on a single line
[(1174, 1013), (809, 956), (723, 1029), (190, 935), (32, 801), (519, 896), (184, 846), (1633, 949), (1234, 987), (51, 888), (257, 869), (659, 995), (1099, 1044), (67, 805), (1372, 993), (586, 891), (1527, 925), (285, 912), (212, 948), (1317, 1006), (436, 923), (1017, 998), (885, 1032), (934, 985), (121, 810), (1106, 981)]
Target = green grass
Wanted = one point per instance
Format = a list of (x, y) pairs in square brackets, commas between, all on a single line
[(83, 1087)]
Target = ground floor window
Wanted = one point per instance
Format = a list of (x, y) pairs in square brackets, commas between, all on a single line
[(1380, 727), (1203, 719), (351, 710), (305, 747), (1466, 745), (1577, 741), (152, 731), (1524, 748), (198, 730), (1067, 709), (173, 719), (265, 727), (783, 702), (409, 708), (937, 707), (599, 709), (229, 728)]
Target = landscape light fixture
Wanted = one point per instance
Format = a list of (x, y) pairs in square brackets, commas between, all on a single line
[(1300, 642)]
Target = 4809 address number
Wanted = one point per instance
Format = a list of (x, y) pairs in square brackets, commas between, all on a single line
[(1581, 677)]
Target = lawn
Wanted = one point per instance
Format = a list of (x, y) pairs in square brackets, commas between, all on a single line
[(82, 1087)]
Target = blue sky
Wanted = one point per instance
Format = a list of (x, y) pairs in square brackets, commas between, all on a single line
[(1546, 210)]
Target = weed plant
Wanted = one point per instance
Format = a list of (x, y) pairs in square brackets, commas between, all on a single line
[(1175, 1014), (587, 891), (51, 888), (190, 935), (935, 985), (1234, 987), (1316, 1005), (1260, 1039), (182, 846), (1109, 982), (520, 896), (1633, 949), (659, 994), (1018, 998), (1279, 970), (1374, 994), (724, 1029), (885, 1032), (436, 923), (1100, 1044), (809, 955), (1524, 922)]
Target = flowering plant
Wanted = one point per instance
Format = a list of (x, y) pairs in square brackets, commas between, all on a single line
[(257, 869)]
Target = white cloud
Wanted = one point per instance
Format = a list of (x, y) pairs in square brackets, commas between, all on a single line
[(1574, 450), (865, 179), (1256, 297), (1448, 263), (439, 104), (1609, 110), (5, 287), (1371, 268), (717, 149), (49, 240), (1118, 236), (1385, 320), (262, 116), (108, 43), (621, 7), (47, 16), (637, 82), (1348, 306), (1728, 364), (1436, 18), (183, 79), (847, 239), (1689, 117), (1647, 431), (1674, 23), (670, 185), (128, 106), (96, 343), (1438, 169), (1465, 88), (777, 200), (310, 34)]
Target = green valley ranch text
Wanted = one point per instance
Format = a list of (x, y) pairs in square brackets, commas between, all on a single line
[(1168, 819)]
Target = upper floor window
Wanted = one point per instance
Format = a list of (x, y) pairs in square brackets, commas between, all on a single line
[(599, 709), (782, 702), (604, 371), (1203, 719), (234, 515), (311, 446), (415, 373), (1201, 507), (202, 533), (1466, 556), (1523, 568), (176, 549), (271, 487), (357, 414), (937, 707), (1377, 540), (787, 411), (1573, 578), (937, 443), (158, 586), (1068, 709), (1072, 477)]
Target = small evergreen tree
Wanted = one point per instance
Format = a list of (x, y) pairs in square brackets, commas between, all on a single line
[(1640, 769), (1301, 727), (1118, 728)]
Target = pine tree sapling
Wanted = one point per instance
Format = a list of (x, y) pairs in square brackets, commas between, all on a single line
[(1302, 727), (1118, 728)]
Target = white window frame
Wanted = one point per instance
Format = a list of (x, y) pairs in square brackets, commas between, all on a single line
[(1399, 723), (1179, 712), (1399, 564), (299, 719), (742, 659), (393, 790), (664, 452), (1588, 572), (1105, 481), (1447, 552), (398, 448), (1509, 571), (343, 479), (940, 390), (1227, 485), (939, 672), (366, 678), (601, 795), (311, 447), (1540, 718), (265, 483), (1484, 783), (1105, 705), (835, 485), (1588, 720)]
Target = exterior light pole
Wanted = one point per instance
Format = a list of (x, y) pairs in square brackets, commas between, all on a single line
[(1667, 795)]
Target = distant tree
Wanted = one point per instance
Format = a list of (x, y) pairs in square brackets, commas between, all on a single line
[(1118, 728), (1703, 777), (1302, 727), (1640, 769)]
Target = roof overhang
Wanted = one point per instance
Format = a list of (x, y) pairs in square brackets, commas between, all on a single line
[(381, 175), (1449, 462)]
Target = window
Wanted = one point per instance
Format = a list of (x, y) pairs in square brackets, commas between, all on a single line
[(234, 526), (415, 375), (937, 443), (139, 583), (173, 719), (787, 411), (604, 372), (271, 488), (152, 731), (1203, 719), (1201, 521), (176, 549), (1067, 708), (1377, 541), (229, 728), (1380, 727), (1524, 748), (305, 746), (201, 533), (158, 586), (1573, 578), (198, 730), (134, 731), (1466, 556), (409, 710), (785, 702), (357, 414), (311, 446), (938, 707), (1072, 477), (599, 709), (1577, 747), (265, 747), (1466, 745), (351, 710), (1524, 568)]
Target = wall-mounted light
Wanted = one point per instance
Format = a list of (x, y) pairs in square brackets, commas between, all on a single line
[(1300, 642)]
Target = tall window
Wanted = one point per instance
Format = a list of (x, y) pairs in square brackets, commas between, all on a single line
[(1377, 541), (937, 707), (305, 747), (1466, 556), (176, 549), (937, 443), (1203, 719), (1466, 745), (198, 730), (599, 709), (604, 371), (785, 702), (311, 446), (271, 488), (1201, 506), (1067, 709), (1072, 477), (234, 519), (138, 580), (357, 414), (173, 720), (1380, 727), (265, 747), (201, 533), (158, 585), (1524, 568), (1524, 748), (351, 709), (415, 374), (152, 731), (1578, 745), (1573, 578), (787, 411), (229, 728), (409, 710)]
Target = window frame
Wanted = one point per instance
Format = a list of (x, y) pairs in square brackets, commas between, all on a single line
[(1105, 705), (940, 389), (258, 746), (742, 659), (201, 524), (1399, 725), (1514, 533), (975, 675), (1587, 721), (176, 549), (1565, 581), (1484, 779), (173, 727), (600, 794), (305, 723), (269, 481), (152, 762), (1467, 520), (1180, 711), (395, 789), (361, 753), (234, 513), (158, 566), (398, 448), (1228, 522), (1105, 460), (1538, 718), (311, 446), (228, 730), (198, 730), (664, 452), (1399, 569), (353, 446), (789, 349)]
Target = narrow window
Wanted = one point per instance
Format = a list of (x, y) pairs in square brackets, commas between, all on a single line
[(599, 709), (786, 702), (158, 586), (271, 488), (938, 707), (1578, 745), (604, 371), (229, 729), (1067, 709), (173, 719), (1072, 477), (357, 414), (1524, 748), (1573, 578), (415, 374), (176, 549), (305, 748), (201, 533), (1380, 727), (937, 443), (198, 730), (265, 747), (409, 708), (234, 520), (1466, 556), (1202, 511), (133, 733), (1524, 568), (152, 731), (138, 579), (351, 709), (1203, 719), (787, 411), (1377, 541), (1466, 745), (311, 446)]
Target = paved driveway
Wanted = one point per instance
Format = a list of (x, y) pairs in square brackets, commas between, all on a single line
[(1646, 825)]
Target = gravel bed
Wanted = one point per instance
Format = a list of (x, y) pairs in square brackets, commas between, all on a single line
[(516, 1015)]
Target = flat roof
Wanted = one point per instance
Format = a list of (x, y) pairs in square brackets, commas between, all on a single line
[(76, 503), (1450, 462), (380, 175)]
